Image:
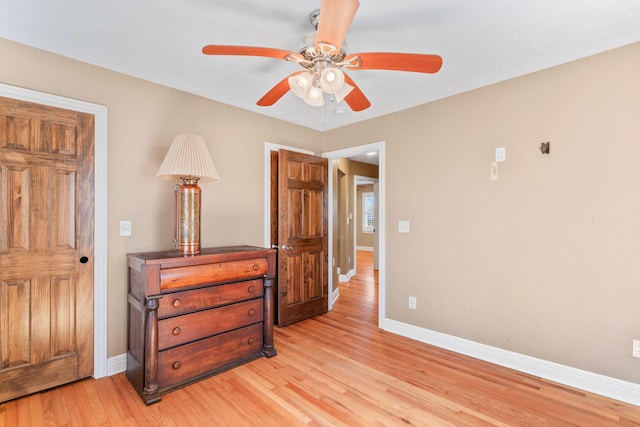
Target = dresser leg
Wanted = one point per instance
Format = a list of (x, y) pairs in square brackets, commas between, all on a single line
[(151, 349), (268, 347)]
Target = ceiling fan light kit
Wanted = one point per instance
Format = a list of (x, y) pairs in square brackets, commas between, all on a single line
[(323, 59), (312, 85)]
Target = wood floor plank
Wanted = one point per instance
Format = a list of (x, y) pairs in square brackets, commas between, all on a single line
[(337, 369)]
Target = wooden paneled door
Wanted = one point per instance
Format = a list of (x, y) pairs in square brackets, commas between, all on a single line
[(302, 236), (46, 247)]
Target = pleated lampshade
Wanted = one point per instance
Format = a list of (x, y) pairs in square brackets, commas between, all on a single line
[(188, 156)]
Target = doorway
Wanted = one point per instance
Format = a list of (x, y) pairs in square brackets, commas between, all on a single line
[(380, 230), (365, 216), (100, 358)]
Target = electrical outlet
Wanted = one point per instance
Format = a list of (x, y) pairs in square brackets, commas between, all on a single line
[(636, 348), (412, 303)]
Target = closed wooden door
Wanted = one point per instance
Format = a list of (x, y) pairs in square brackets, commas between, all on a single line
[(302, 236), (46, 247)]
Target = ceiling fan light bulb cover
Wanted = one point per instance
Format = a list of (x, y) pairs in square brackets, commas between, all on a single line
[(332, 80), (300, 84), (314, 97)]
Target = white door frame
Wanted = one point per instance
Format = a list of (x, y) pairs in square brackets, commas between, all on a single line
[(349, 152), (100, 359)]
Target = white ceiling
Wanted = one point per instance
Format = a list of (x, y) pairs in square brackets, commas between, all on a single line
[(481, 42)]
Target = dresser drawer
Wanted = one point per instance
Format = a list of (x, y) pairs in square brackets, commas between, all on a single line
[(200, 299), (193, 275), (190, 327), (185, 362)]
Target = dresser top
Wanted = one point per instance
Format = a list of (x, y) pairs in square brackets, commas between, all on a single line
[(214, 253)]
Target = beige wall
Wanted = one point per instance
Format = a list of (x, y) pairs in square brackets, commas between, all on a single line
[(142, 120), (544, 261)]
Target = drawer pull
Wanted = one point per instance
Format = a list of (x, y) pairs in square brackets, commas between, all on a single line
[(176, 330), (255, 267), (176, 365), (177, 302), (251, 312), (251, 289), (251, 340)]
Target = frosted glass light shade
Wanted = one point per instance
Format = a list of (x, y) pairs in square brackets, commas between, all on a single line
[(314, 97), (188, 156), (300, 83), (331, 80)]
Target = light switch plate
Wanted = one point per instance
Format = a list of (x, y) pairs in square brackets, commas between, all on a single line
[(125, 228), (501, 154), (403, 226)]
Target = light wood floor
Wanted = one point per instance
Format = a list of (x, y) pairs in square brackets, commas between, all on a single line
[(334, 370)]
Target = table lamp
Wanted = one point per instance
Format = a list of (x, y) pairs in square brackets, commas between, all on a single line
[(187, 161)]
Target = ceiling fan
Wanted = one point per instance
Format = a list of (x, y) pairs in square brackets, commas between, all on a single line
[(323, 58)]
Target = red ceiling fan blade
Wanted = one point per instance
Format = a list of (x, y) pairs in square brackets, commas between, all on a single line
[(334, 21), (268, 52), (355, 99), (414, 62), (276, 92)]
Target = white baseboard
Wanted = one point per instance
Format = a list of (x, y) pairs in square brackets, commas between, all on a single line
[(594, 383), (365, 248), (117, 364), (334, 297), (346, 277)]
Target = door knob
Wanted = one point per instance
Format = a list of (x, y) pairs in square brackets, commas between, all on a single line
[(283, 247)]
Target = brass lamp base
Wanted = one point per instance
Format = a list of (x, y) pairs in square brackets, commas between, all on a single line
[(187, 216)]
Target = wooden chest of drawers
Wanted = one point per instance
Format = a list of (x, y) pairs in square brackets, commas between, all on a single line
[(193, 316)]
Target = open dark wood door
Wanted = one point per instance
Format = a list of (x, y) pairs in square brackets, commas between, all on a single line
[(302, 236)]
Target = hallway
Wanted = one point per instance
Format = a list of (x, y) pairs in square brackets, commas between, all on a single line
[(359, 296)]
